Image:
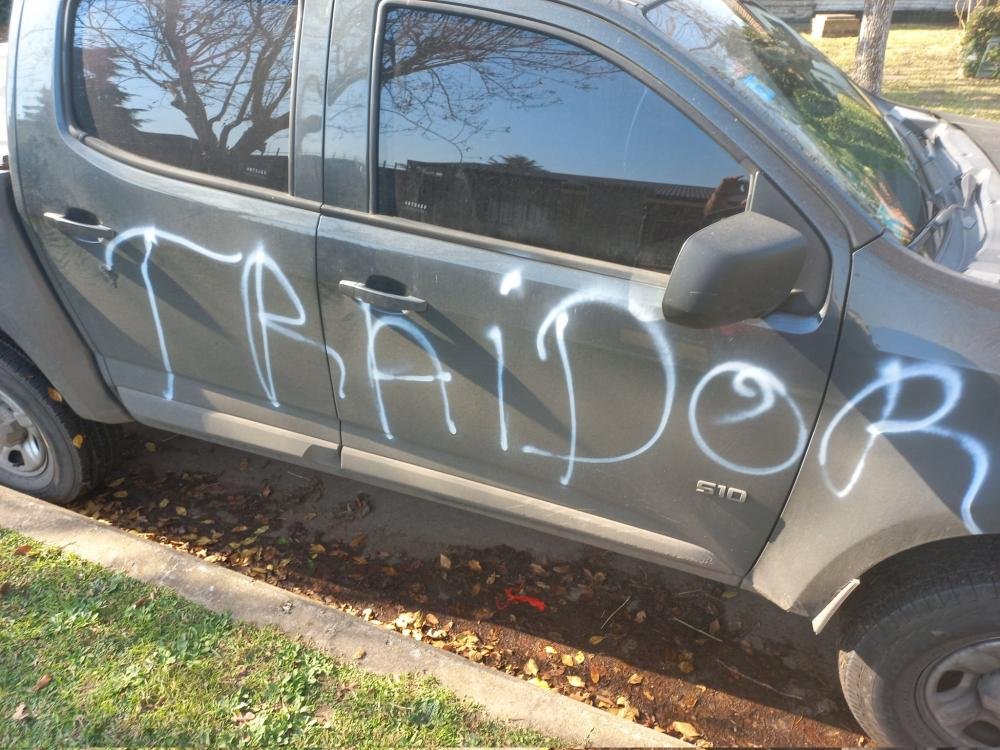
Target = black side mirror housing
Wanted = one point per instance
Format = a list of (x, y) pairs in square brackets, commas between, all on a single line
[(742, 267)]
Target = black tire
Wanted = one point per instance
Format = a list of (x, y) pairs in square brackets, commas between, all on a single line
[(79, 453), (901, 639)]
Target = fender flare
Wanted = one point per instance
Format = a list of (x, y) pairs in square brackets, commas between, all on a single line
[(33, 318)]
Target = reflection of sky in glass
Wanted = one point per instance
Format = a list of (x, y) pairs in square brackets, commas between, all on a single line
[(226, 50), (594, 120)]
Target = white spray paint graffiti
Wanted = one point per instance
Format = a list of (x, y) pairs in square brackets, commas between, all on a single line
[(749, 381), (558, 319), (253, 279), (511, 282), (890, 384), (496, 336), (377, 376), (151, 238), (254, 308)]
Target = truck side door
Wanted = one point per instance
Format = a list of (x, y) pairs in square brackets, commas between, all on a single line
[(156, 173), (503, 217)]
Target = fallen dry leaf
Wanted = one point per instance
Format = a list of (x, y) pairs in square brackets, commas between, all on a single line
[(244, 718), (595, 674), (475, 566), (116, 483), (55, 395), (43, 682), (164, 502), (595, 639), (686, 731), (640, 616), (444, 561), (567, 660), (575, 681), (635, 679), (24, 549), (729, 594), (539, 682), (21, 713), (359, 654), (181, 510), (151, 447), (686, 667), (78, 442), (121, 494), (531, 668)]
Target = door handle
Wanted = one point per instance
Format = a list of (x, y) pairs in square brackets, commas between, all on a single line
[(382, 300), (84, 232)]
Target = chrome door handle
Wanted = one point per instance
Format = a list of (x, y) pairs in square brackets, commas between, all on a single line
[(78, 230), (382, 300)]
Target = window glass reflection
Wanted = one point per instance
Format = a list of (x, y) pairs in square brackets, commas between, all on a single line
[(198, 84), (501, 131), (796, 88)]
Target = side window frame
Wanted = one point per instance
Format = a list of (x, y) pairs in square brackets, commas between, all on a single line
[(66, 117), (559, 257)]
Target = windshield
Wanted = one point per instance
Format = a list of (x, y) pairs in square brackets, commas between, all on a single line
[(808, 97)]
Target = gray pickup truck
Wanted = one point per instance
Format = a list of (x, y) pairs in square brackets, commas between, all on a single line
[(651, 274)]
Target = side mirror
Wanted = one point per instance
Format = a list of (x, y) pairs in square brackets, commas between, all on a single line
[(739, 268)]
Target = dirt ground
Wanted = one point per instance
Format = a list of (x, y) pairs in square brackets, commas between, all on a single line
[(713, 665)]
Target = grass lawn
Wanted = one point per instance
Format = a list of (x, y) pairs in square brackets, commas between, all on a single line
[(923, 69), (89, 657)]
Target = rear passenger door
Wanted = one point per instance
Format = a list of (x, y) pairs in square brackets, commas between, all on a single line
[(157, 172), (496, 253)]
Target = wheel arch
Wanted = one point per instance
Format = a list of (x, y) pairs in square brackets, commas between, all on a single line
[(34, 320)]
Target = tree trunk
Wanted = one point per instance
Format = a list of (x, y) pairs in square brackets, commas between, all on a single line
[(869, 61)]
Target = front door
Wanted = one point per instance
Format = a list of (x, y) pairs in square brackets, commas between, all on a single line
[(503, 299), (160, 190)]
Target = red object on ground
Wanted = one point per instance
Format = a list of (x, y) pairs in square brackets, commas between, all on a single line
[(512, 598)]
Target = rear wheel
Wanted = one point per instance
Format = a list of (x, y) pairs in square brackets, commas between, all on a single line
[(46, 450), (920, 655)]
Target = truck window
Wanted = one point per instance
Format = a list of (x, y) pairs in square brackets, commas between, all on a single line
[(202, 85), (501, 131)]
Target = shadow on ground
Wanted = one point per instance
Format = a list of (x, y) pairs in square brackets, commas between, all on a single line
[(650, 644)]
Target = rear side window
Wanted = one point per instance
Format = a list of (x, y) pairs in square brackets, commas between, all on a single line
[(502, 131), (203, 85)]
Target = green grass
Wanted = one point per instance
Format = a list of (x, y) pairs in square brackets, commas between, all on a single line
[(923, 68), (137, 666)]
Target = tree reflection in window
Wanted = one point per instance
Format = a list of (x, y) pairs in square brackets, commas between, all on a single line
[(802, 93), (503, 131), (198, 84)]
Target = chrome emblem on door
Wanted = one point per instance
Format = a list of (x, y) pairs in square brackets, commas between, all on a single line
[(723, 491)]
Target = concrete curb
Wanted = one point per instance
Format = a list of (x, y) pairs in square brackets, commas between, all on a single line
[(330, 630)]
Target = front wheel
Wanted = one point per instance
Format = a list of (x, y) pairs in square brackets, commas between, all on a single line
[(920, 654), (46, 449)]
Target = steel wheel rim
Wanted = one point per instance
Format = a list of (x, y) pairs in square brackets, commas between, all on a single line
[(23, 450), (960, 693)]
